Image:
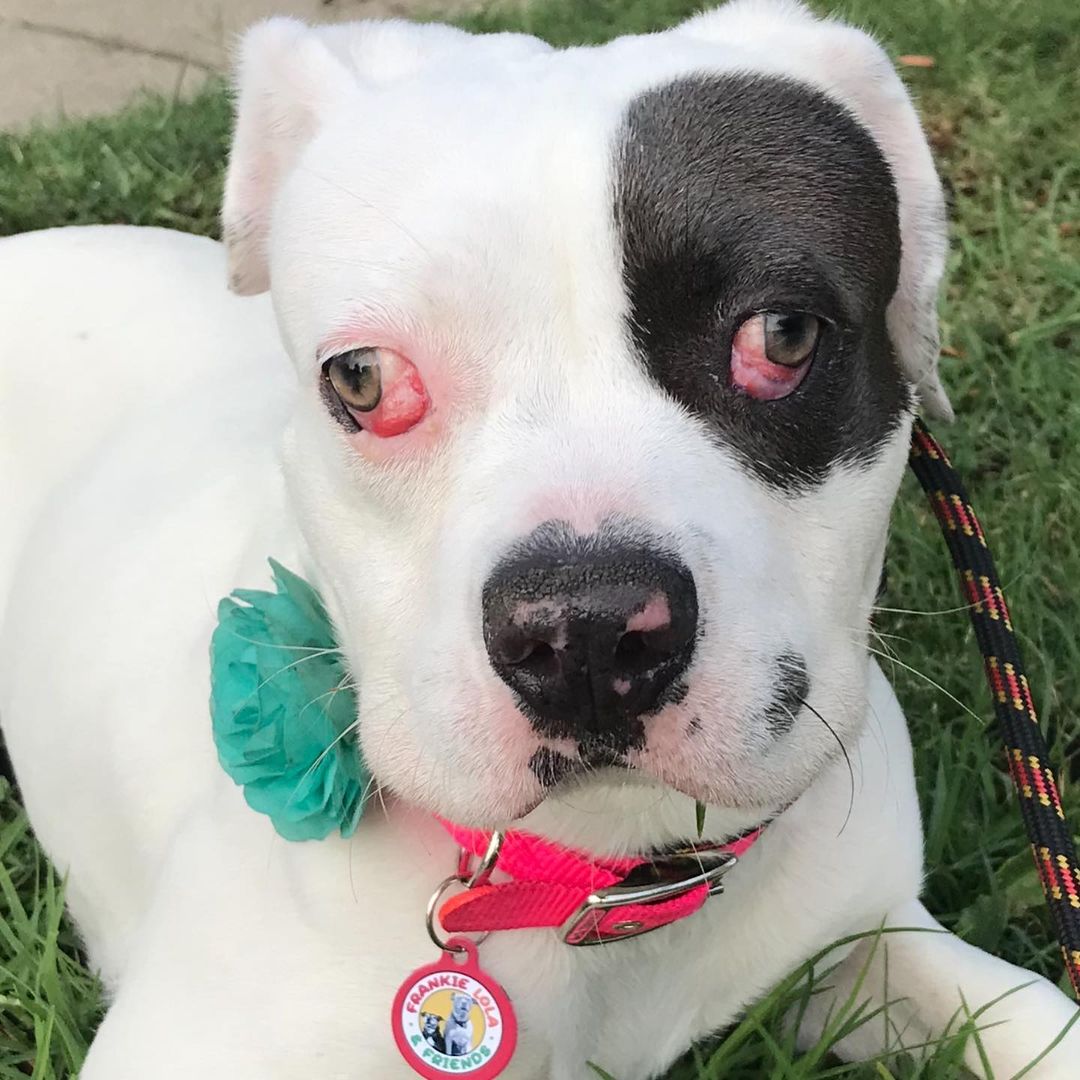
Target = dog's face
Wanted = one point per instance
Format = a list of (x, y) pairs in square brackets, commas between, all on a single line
[(607, 363), (460, 1010)]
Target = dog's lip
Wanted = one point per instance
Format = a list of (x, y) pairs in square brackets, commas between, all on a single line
[(574, 780), (583, 775), (636, 774), (529, 807)]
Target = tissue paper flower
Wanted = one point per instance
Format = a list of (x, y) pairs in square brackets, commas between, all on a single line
[(283, 711)]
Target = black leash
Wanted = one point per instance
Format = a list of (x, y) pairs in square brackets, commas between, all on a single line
[(1018, 723)]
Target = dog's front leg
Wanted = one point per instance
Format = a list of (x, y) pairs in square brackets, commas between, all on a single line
[(925, 983), (263, 960)]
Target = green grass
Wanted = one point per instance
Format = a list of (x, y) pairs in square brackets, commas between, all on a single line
[(1003, 107)]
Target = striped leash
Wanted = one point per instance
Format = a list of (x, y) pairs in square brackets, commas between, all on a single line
[(1018, 723)]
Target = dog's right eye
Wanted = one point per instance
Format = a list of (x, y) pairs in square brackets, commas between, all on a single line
[(379, 390)]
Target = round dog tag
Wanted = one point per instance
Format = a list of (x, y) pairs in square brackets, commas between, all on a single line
[(451, 1018)]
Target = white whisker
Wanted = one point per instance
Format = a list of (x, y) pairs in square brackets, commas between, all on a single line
[(926, 678)]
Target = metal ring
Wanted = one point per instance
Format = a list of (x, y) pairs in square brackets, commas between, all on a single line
[(487, 864), (432, 909)]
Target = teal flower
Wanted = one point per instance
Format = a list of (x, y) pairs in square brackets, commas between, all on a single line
[(282, 710)]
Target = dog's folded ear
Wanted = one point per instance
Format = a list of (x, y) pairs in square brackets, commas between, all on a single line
[(285, 80), (289, 77), (782, 37)]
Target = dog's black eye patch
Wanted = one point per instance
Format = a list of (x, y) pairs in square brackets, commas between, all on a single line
[(737, 194)]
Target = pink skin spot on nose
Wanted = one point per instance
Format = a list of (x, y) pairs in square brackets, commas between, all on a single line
[(621, 687), (546, 613), (528, 611), (655, 615)]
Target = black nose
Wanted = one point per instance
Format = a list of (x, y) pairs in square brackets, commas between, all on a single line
[(590, 633)]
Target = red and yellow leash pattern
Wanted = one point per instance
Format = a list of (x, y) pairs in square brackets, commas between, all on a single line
[(1018, 723)]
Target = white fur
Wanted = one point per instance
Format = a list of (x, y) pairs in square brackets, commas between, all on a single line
[(159, 443)]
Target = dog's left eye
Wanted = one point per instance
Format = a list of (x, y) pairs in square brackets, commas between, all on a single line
[(377, 390), (772, 351), (356, 377)]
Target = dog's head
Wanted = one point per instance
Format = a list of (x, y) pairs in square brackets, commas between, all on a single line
[(462, 1004), (607, 364)]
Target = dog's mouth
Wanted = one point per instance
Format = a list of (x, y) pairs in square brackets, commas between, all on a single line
[(562, 769), (591, 781), (565, 768), (639, 751), (553, 766)]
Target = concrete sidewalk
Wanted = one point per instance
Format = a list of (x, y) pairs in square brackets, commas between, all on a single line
[(82, 57)]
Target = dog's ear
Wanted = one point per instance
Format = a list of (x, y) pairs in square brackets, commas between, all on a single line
[(782, 37), (286, 79), (863, 75), (289, 76)]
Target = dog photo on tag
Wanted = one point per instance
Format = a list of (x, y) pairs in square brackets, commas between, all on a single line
[(444, 620), (452, 1018)]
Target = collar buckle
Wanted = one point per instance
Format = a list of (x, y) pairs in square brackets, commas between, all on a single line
[(667, 878)]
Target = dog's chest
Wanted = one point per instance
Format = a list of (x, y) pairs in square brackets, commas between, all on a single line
[(574, 1005), (579, 1005), (595, 1015)]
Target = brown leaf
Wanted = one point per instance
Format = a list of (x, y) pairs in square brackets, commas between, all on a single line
[(916, 60)]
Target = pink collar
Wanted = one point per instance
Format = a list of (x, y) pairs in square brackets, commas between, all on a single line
[(593, 900)]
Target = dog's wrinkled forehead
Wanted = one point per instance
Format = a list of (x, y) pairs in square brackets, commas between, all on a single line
[(755, 159), (749, 168)]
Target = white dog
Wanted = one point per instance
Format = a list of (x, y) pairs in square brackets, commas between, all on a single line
[(582, 395)]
